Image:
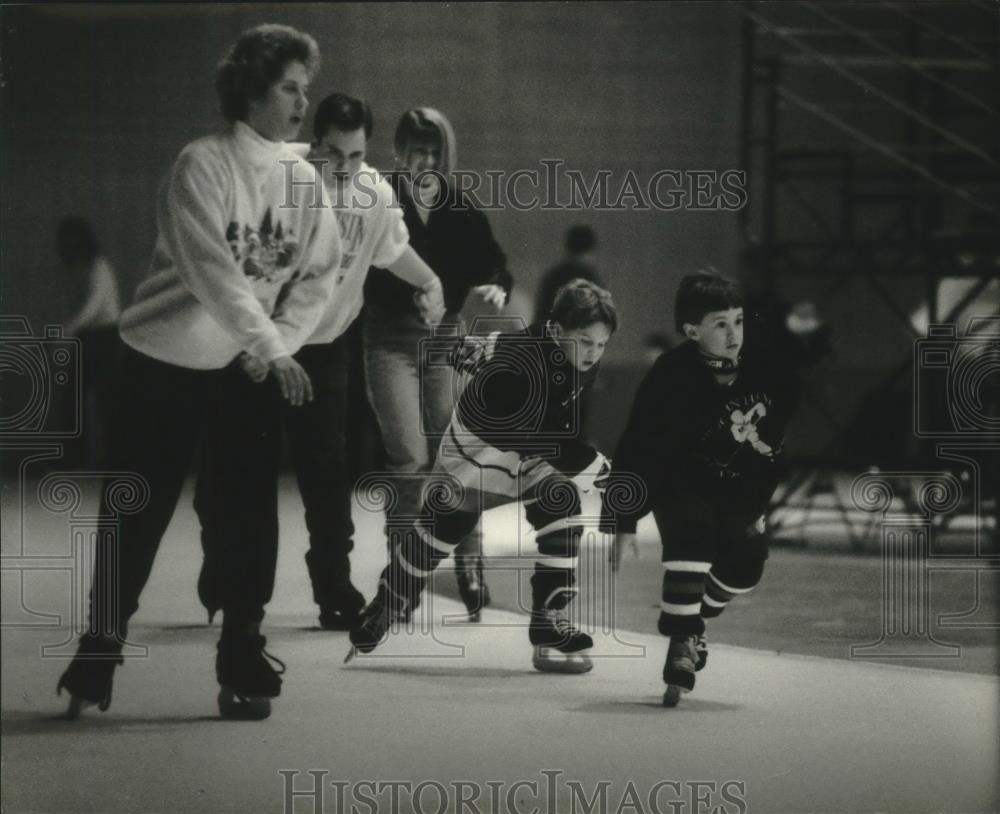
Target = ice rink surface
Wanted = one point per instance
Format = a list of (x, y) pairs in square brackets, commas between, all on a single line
[(459, 709)]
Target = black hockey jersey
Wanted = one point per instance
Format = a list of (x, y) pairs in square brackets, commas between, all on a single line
[(524, 396), (688, 432)]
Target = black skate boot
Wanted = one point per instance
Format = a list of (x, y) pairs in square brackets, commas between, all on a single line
[(471, 587), (559, 645), (680, 667), (247, 681), (341, 607), (372, 626), (89, 676), (339, 601)]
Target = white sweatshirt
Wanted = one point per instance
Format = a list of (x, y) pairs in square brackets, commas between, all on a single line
[(234, 230), (372, 233)]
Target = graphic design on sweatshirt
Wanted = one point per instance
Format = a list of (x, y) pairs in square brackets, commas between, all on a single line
[(744, 427), (739, 422), (262, 253), (352, 236)]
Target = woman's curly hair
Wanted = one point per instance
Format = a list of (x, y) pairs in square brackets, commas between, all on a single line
[(256, 61)]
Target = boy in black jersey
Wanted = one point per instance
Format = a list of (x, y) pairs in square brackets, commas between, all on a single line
[(705, 435), (514, 436)]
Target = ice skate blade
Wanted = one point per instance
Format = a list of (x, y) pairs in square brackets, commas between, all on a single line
[(550, 660), (672, 697), (350, 655), (236, 707)]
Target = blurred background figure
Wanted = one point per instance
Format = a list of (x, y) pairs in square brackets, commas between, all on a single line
[(578, 264), (581, 246), (94, 289)]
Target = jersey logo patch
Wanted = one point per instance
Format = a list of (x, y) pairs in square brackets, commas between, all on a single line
[(744, 428)]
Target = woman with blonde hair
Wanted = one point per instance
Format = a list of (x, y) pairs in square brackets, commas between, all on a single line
[(413, 400)]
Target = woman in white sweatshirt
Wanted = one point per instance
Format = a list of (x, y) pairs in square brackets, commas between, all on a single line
[(242, 269)]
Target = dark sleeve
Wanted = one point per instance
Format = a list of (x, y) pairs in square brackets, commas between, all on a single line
[(485, 261), (632, 458), (654, 447)]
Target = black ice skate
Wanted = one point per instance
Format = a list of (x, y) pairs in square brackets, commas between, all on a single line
[(681, 665), (341, 607), (559, 645), (89, 676), (471, 587), (372, 626), (339, 601), (247, 681)]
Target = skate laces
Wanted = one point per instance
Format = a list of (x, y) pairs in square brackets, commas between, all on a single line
[(470, 573), (684, 650), (559, 619), (259, 648), (379, 616), (393, 605), (275, 660)]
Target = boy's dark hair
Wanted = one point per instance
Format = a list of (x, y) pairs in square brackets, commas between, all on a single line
[(580, 303), (580, 239), (702, 292), (344, 113), (256, 61)]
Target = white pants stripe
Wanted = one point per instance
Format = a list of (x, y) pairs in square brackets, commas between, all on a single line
[(725, 587), (433, 541), (681, 610), (410, 569), (688, 565), (567, 563)]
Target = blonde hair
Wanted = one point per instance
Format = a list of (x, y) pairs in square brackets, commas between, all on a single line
[(425, 122)]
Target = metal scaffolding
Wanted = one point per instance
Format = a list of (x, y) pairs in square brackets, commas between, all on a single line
[(870, 134)]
